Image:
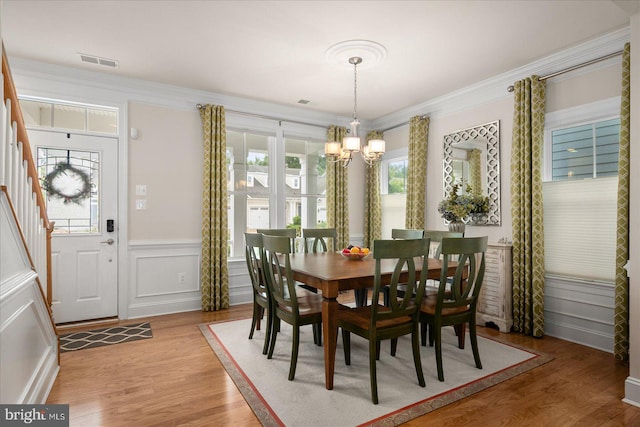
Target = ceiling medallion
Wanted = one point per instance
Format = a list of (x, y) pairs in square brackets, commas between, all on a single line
[(372, 53)]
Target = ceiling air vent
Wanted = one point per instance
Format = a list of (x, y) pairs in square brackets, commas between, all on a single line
[(303, 101), (92, 59)]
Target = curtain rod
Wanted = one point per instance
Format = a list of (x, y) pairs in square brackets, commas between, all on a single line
[(424, 116), (260, 116), (575, 67)]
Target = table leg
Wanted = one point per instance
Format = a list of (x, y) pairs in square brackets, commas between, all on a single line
[(330, 335)]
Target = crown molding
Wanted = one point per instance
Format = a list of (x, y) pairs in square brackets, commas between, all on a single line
[(37, 78), (34, 78), (495, 88)]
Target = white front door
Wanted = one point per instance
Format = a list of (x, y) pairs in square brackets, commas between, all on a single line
[(79, 174)]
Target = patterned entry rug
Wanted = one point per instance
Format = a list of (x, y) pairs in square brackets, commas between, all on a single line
[(105, 336), (306, 402)]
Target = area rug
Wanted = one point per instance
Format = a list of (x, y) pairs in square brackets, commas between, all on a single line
[(306, 402), (105, 336)]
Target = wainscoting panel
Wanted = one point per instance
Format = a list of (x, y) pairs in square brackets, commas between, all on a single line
[(164, 277), (580, 312)]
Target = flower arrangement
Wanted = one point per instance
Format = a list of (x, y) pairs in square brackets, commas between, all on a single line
[(458, 207)]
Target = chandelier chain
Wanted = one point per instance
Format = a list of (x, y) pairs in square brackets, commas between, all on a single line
[(355, 89)]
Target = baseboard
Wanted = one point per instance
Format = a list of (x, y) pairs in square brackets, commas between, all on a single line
[(632, 391)]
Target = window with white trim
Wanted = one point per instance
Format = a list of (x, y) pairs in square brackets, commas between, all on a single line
[(393, 190), (260, 197), (580, 191)]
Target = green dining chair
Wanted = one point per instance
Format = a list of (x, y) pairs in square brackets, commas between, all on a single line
[(456, 304), (406, 233), (401, 234), (291, 233), (291, 304), (261, 295), (377, 322), (319, 239), (436, 237)]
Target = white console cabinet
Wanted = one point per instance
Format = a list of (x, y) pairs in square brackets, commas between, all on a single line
[(495, 304)]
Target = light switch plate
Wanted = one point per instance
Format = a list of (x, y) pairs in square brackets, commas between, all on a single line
[(141, 190), (141, 204)]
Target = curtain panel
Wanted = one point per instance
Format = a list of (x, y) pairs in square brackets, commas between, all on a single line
[(417, 172), (526, 206), (214, 276), (338, 192), (373, 201), (621, 311)]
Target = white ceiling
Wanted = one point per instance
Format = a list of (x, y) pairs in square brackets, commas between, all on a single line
[(275, 50)]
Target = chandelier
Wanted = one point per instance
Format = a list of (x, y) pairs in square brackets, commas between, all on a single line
[(343, 152)]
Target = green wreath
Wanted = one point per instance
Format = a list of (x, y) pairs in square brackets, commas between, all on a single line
[(62, 168)]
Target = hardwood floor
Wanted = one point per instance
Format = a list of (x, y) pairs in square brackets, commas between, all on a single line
[(176, 379)]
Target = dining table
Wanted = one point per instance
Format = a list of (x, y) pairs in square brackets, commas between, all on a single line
[(331, 273)]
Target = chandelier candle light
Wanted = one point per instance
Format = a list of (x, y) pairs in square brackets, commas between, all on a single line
[(342, 152)]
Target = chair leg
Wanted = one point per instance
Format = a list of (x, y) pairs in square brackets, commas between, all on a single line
[(259, 319), (394, 346), (416, 356), (377, 350), (276, 328), (460, 332), (267, 334), (254, 319), (436, 330), (317, 334), (423, 332), (346, 344), (360, 296), (294, 352), (474, 343), (374, 346)]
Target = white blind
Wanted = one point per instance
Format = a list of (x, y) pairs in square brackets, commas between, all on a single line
[(580, 228)]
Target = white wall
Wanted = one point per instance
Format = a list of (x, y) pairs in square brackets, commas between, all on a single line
[(632, 385)]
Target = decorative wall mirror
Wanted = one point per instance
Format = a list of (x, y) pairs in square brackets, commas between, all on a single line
[(472, 160)]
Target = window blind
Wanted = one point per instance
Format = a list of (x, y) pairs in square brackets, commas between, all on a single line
[(580, 228)]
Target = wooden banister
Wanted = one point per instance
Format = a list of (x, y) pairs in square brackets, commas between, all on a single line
[(16, 116)]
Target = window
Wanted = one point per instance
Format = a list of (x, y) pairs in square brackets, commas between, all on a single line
[(395, 172), (248, 179), (273, 182), (580, 191), (69, 116), (586, 151), (393, 188), (306, 183)]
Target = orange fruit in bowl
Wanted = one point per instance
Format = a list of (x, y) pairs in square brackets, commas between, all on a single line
[(365, 251), (355, 250)]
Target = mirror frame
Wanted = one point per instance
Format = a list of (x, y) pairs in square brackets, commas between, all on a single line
[(489, 132)]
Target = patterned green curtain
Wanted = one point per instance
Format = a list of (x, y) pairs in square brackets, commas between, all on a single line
[(526, 206), (621, 317), (475, 171), (373, 203), (417, 172), (214, 277), (337, 192)]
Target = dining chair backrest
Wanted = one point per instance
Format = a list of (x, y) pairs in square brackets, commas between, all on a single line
[(436, 237), (406, 233), (277, 270), (291, 233), (406, 254), (253, 248), (319, 239), (464, 288)]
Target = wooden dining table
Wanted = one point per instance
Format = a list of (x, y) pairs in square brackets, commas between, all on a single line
[(331, 273)]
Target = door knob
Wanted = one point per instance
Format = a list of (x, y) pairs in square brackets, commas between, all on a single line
[(109, 241)]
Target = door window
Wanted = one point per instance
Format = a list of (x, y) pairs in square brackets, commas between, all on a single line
[(70, 182)]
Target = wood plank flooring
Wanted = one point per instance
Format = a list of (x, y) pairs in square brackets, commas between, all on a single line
[(176, 379)]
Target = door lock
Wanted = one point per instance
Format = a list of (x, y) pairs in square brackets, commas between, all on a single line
[(109, 241)]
